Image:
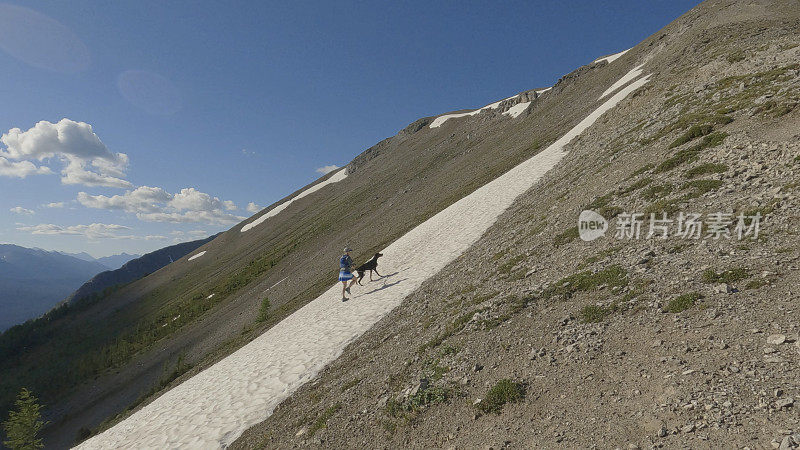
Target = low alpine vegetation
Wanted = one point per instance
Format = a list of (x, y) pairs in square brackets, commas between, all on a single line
[(613, 276), (657, 191), (566, 237), (727, 276), (690, 154), (695, 131), (322, 421), (683, 302), (504, 391), (704, 169), (416, 402), (595, 313), (263, 311), (700, 187)]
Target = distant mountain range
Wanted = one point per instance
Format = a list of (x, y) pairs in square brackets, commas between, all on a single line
[(112, 262), (33, 280), (136, 268)]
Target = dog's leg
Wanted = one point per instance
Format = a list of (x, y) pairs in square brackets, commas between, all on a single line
[(370, 275), (360, 276), (376, 271)]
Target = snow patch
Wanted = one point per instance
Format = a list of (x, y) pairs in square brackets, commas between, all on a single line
[(437, 122), (338, 176), (213, 408), (517, 109), (542, 91), (612, 58), (635, 72), (209, 296), (197, 255)]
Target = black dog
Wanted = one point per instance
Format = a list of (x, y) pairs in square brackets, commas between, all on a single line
[(371, 265)]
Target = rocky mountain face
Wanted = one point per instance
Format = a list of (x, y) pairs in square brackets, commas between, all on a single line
[(681, 338), (534, 337), (135, 268), (32, 281)]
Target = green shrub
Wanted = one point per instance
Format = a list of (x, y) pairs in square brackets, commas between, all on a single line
[(701, 187), (657, 191), (506, 267), (613, 276), (645, 168), (593, 314), (669, 206), (451, 329), (694, 132), (566, 237), (638, 185), (504, 391), (756, 284), (727, 276), (683, 302), (322, 420), (706, 168), (736, 56), (421, 399), (691, 153), (784, 109), (448, 350), (263, 311), (351, 384), (764, 210), (427, 397)]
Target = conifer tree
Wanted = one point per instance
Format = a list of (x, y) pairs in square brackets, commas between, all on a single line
[(24, 424)]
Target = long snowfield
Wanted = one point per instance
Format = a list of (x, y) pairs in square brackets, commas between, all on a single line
[(213, 408), (335, 178)]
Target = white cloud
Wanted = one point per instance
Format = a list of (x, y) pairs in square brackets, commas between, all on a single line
[(153, 204), (54, 205), (215, 217), (76, 173), (93, 231), (142, 199), (253, 208), (193, 200), (326, 169), (75, 144), (21, 210), (21, 169)]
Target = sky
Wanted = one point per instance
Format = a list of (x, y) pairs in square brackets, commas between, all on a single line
[(128, 126)]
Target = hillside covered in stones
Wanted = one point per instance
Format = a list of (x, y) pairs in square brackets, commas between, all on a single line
[(670, 338)]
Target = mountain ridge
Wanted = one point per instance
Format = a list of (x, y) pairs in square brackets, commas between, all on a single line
[(34, 280)]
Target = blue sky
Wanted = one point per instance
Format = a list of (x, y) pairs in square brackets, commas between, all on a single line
[(189, 111)]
